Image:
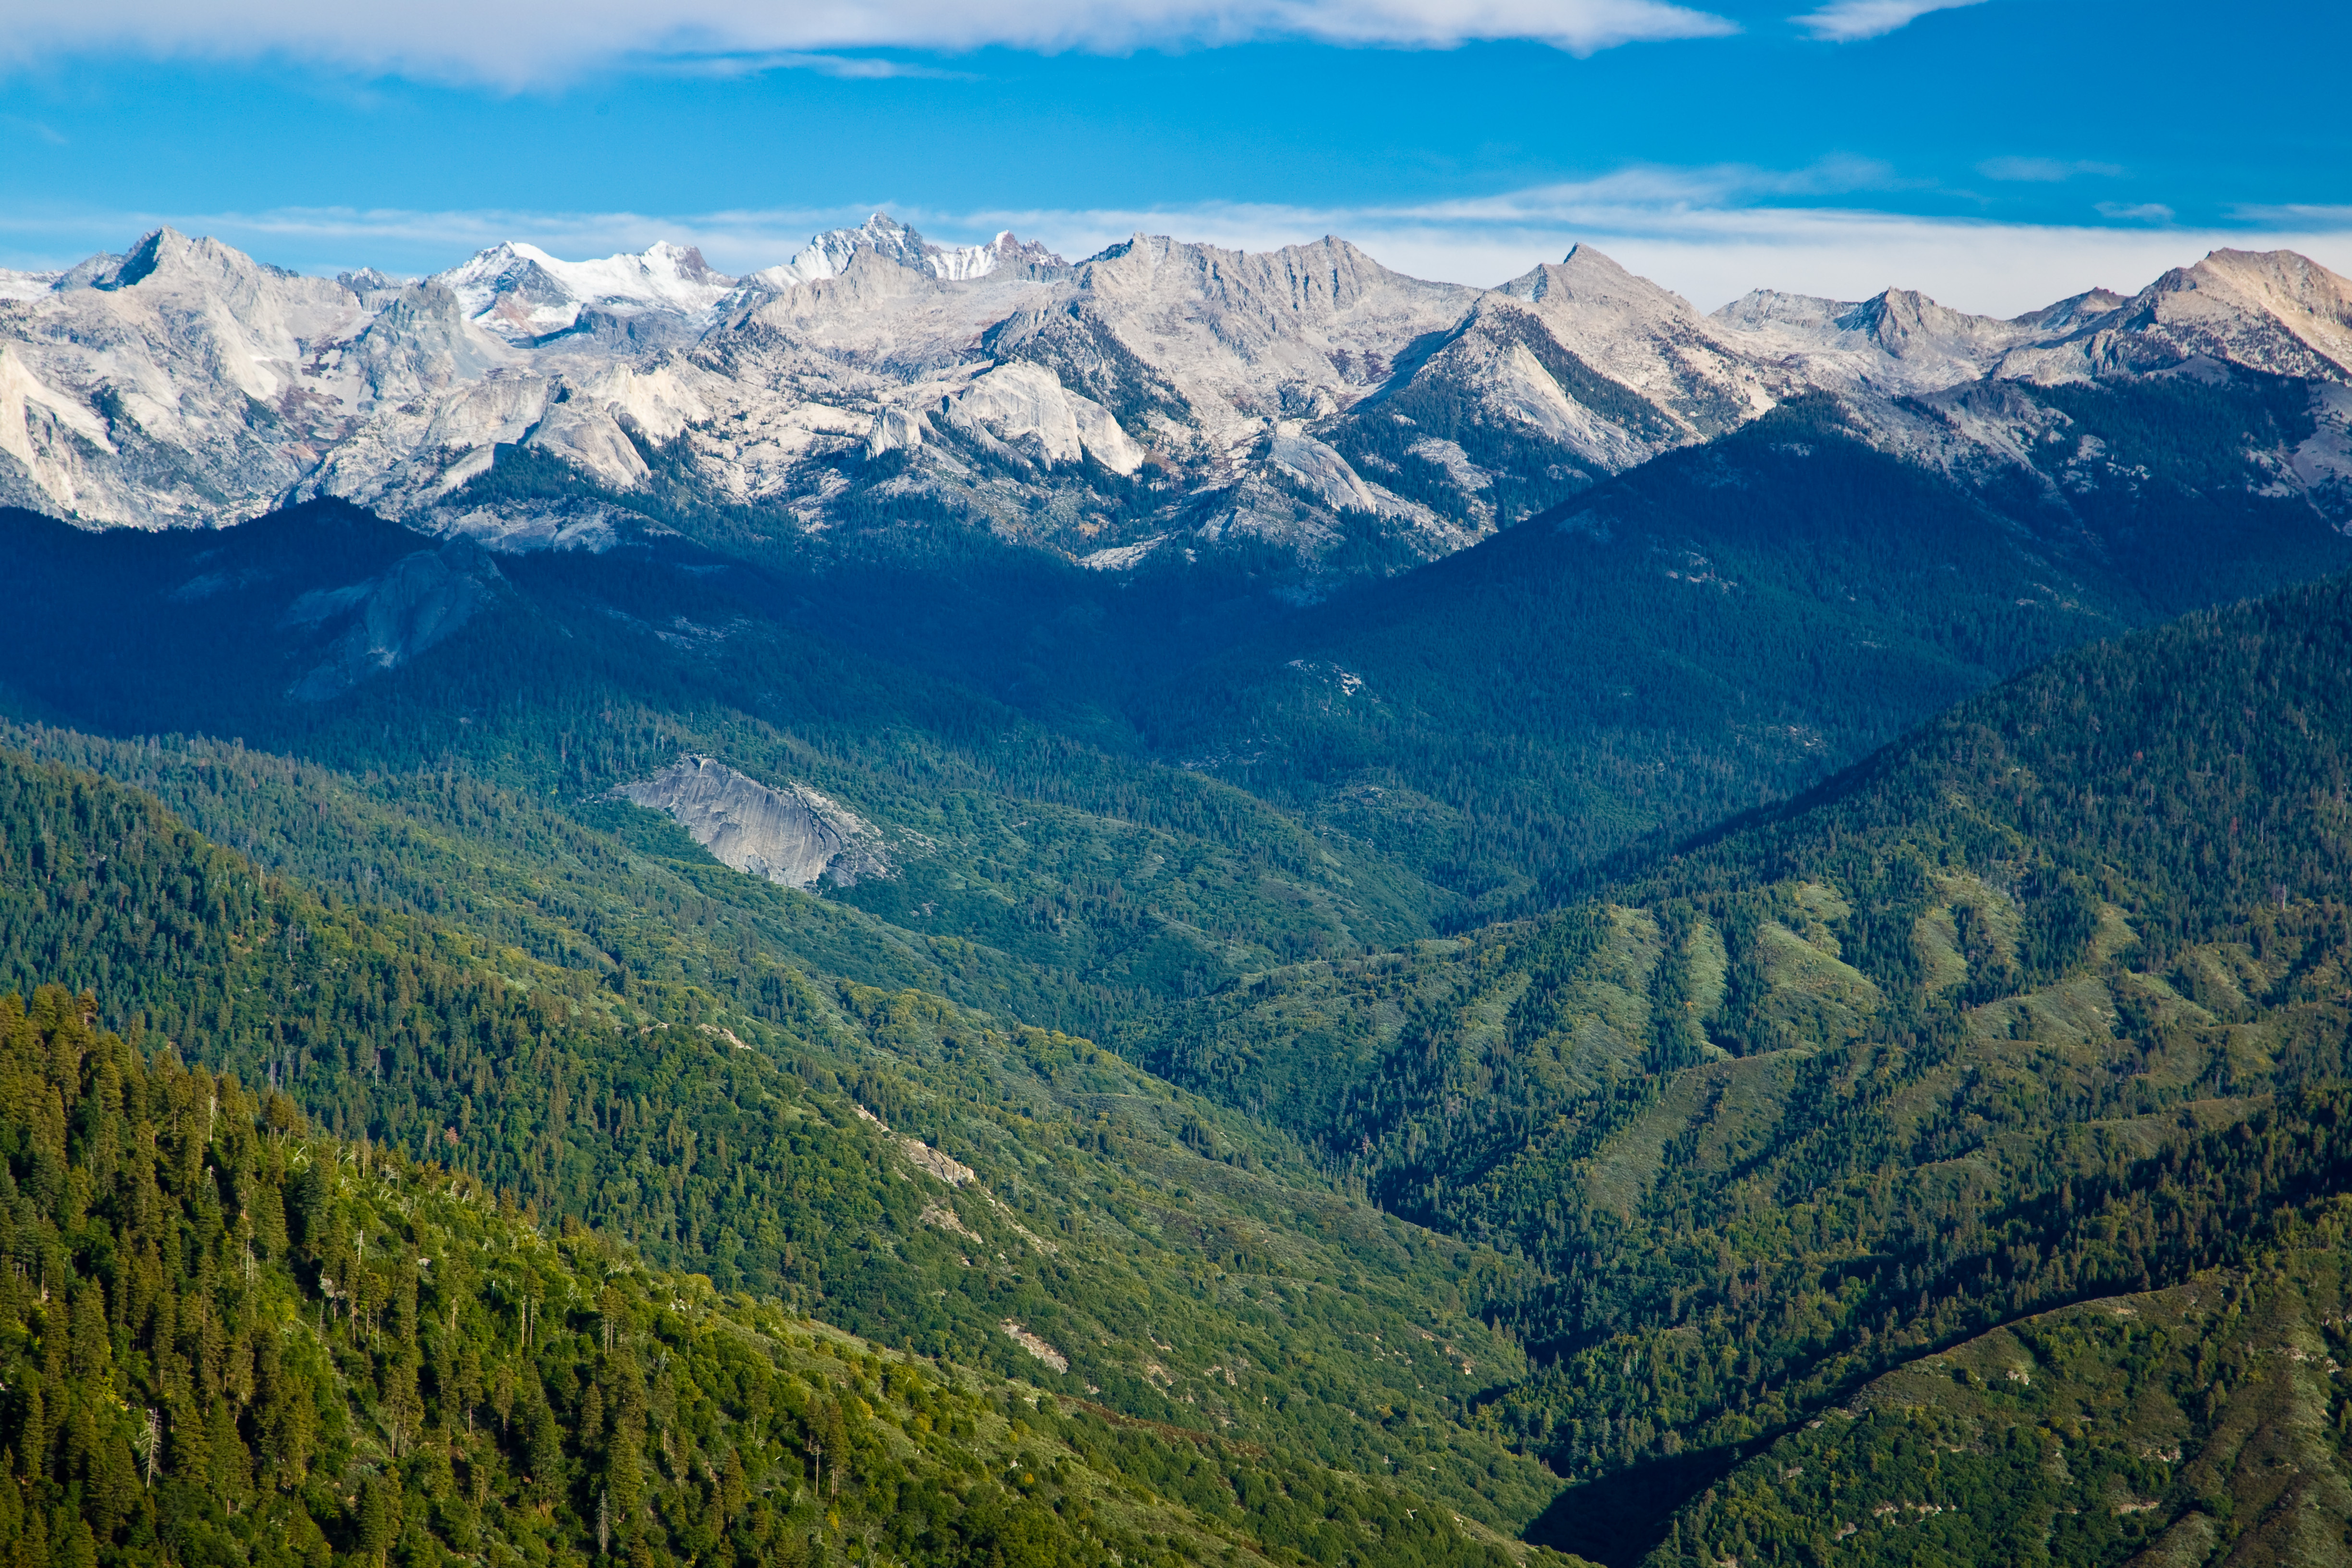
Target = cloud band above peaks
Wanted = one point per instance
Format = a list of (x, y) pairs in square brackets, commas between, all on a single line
[(1850, 21), (522, 42)]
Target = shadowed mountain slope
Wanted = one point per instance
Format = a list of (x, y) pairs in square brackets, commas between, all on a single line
[(1727, 625)]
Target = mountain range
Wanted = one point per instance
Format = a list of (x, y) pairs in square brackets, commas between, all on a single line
[(1158, 397), (1947, 1164), (940, 906)]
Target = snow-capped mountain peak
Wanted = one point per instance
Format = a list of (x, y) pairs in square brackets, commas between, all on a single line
[(26, 285), (520, 291), (828, 255), (1272, 394)]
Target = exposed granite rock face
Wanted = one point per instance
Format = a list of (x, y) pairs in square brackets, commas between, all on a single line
[(792, 835), (391, 618), (1271, 396)]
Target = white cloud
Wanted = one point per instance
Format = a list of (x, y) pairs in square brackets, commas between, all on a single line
[(847, 67), (2045, 171), (1846, 21), (2136, 212), (1703, 232), (522, 42), (2319, 217)]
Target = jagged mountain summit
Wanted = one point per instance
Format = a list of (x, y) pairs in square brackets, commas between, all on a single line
[(1159, 397), (521, 294), (829, 254)]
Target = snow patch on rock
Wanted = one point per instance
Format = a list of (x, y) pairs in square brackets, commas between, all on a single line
[(829, 254), (26, 285), (521, 293)]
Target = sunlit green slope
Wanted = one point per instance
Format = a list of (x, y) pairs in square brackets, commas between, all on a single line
[(2204, 1423), (226, 1339), (1973, 1031), (1182, 1265)]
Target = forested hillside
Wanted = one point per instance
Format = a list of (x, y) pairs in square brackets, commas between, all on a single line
[(1136, 785), (2046, 1002), (1182, 1067), (2205, 1422), (1071, 881), (1165, 1256), (1723, 626), (227, 1339)]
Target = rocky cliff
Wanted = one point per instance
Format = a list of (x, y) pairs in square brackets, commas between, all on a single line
[(793, 835)]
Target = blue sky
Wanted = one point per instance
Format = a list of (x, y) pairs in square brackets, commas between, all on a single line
[(1998, 153)]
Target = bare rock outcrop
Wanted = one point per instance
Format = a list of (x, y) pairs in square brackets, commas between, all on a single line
[(420, 602), (1035, 1345), (793, 835), (1299, 396)]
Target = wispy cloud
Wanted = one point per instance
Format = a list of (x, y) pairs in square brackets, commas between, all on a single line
[(2136, 212), (2043, 171), (846, 67), (1710, 233), (518, 43), (1849, 21), (34, 128), (2325, 217), (1701, 233)]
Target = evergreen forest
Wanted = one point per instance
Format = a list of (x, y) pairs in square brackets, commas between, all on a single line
[(1786, 1009)]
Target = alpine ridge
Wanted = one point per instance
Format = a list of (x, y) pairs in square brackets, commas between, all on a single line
[(1159, 399)]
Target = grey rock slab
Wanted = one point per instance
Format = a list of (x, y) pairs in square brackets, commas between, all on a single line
[(793, 835)]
